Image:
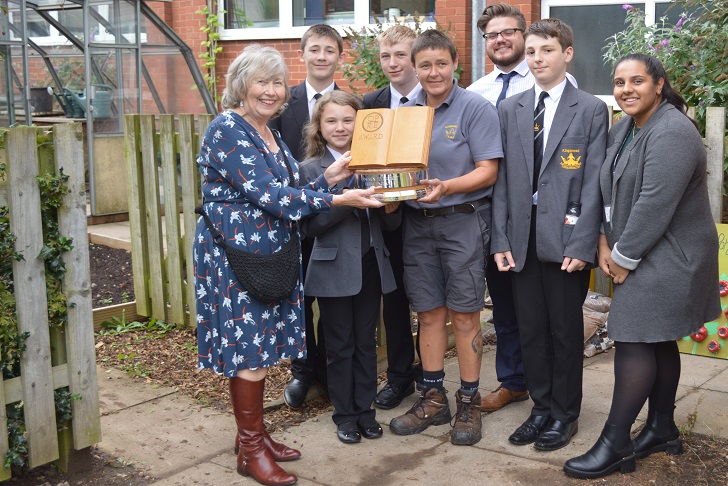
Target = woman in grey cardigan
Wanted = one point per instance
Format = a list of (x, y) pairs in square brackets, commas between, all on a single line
[(660, 247)]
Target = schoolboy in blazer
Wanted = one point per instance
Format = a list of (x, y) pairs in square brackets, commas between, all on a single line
[(322, 50), (549, 256), (395, 55)]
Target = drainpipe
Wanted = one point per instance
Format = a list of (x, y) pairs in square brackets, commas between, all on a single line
[(478, 44)]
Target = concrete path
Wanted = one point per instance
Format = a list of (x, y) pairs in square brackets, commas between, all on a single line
[(179, 442)]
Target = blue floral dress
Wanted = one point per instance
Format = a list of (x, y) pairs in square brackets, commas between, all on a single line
[(248, 198)]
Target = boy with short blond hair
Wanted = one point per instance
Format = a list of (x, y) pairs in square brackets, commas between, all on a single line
[(395, 56), (554, 141)]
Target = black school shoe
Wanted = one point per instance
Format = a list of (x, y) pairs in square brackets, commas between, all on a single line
[(556, 435), (392, 395), (348, 433), (295, 393), (369, 428)]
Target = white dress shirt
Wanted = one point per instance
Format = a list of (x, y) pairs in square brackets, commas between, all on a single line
[(490, 85), (551, 102), (396, 95), (310, 93)]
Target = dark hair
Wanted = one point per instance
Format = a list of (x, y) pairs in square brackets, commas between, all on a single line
[(322, 30), (552, 28), (501, 9), (656, 71), (315, 143), (433, 39)]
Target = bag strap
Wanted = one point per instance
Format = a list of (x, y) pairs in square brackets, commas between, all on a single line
[(216, 235)]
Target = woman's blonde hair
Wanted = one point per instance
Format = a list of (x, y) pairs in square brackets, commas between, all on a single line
[(255, 62), (315, 143)]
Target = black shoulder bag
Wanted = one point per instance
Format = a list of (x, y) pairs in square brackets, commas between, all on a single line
[(268, 278)]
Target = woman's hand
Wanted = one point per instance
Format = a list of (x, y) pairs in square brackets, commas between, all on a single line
[(619, 274), (435, 190), (357, 198), (605, 255), (339, 170)]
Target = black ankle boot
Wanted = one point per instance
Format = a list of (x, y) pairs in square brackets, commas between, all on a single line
[(612, 451), (659, 434)]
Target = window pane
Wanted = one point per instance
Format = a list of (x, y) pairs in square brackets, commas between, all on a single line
[(592, 25), (672, 11), (399, 10), (252, 13), (332, 12)]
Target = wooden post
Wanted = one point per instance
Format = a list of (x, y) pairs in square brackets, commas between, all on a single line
[(31, 305), (152, 222), (86, 424), (171, 220), (188, 150), (137, 202), (715, 146)]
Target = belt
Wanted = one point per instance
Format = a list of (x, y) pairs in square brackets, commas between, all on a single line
[(457, 208)]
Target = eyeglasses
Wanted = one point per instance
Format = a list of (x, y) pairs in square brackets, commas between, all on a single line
[(506, 34)]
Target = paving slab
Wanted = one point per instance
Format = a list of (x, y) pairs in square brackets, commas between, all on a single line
[(117, 391), (179, 442), (703, 412), (163, 434)]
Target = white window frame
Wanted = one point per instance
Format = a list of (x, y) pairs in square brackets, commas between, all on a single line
[(57, 39), (286, 29), (649, 11)]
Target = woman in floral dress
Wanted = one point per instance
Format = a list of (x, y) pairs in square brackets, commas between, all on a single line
[(248, 198)]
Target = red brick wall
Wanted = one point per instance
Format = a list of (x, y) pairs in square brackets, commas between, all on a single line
[(175, 84)]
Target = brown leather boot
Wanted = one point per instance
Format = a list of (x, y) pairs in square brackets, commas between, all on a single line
[(430, 409), (468, 424), (253, 456), (279, 452)]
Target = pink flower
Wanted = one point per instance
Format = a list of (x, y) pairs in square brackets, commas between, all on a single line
[(627, 6), (680, 21), (665, 42)]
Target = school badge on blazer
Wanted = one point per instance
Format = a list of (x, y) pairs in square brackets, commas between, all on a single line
[(570, 162)]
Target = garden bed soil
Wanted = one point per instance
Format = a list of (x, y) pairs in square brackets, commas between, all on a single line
[(169, 359)]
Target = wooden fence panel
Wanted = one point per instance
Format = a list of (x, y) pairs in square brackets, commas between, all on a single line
[(136, 211), (188, 150), (151, 225), (31, 304), (79, 332), (174, 258), (176, 294)]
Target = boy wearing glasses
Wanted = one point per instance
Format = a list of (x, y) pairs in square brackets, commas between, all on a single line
[(503, 26)]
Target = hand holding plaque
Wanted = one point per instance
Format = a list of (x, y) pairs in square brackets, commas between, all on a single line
[(390, 150)]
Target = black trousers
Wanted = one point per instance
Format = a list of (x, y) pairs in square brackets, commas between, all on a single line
[(351, 346), (313, 367), (396, 314), (551, 326)]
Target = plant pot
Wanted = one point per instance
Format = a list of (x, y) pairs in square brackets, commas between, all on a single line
[(41, 101)]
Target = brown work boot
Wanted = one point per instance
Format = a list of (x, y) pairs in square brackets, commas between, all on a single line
[(467, 428), (430, 409), (500, 397)]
